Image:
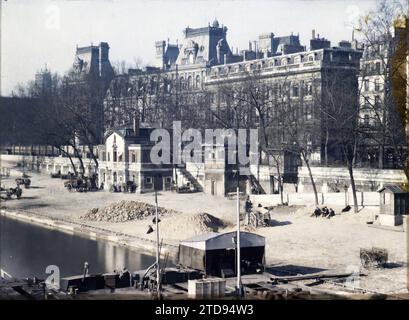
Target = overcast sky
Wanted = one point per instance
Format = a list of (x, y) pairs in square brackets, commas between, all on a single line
[(39, 32)]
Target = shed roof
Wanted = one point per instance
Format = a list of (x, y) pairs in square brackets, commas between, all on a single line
[(215, 241), (392, 188)]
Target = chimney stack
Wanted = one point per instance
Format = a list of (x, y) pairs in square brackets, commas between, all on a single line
[(313, 33)]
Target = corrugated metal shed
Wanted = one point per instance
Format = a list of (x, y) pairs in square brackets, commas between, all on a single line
[(217, 241)]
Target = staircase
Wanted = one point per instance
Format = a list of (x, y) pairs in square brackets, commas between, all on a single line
[(188, 177), (254, 183)]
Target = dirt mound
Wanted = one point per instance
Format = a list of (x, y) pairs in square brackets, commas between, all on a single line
[(190, 225), (124, 211)]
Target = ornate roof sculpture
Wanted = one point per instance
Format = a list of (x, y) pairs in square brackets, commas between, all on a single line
[(204, 46)]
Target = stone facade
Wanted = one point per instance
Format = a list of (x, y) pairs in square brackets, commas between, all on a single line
[(125, 156), (205, 62), (94, 60), (93, 69)]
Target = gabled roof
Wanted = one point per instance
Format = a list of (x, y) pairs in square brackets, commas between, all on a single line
[(392, 188), (143, 136)]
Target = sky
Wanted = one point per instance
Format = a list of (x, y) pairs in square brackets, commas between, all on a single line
[(35, 33)]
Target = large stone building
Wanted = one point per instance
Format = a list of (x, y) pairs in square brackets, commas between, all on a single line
[(204, 63), (94, 61), (93, 69)]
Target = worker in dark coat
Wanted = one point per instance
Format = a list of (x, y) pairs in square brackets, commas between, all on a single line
[(325, 212), (331, 213), (248, 205), (317, 212)]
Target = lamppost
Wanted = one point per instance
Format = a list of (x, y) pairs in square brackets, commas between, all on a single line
[(150, 230), (238, 237), (238, 259)]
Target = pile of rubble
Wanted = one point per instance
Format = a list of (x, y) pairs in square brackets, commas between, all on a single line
[(191, 225), (125, 211)]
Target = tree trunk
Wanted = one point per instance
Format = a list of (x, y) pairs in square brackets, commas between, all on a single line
[(69, 157), (311, 178), (73, 165), (351, 177), (280, 184), (380, 160), (80, 160), (93, 156), (279, 177), (326, 147)]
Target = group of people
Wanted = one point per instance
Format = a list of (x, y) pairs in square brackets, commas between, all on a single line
[(324, 212), (262, 213)]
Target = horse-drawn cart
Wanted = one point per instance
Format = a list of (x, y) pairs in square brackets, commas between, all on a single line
[(23, 181), (10, 192)]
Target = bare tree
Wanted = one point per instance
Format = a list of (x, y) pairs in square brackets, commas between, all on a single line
[(383, 120), (338, 105), (268, 107)]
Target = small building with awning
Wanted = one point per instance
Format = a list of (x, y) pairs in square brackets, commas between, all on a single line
[(215, 253)]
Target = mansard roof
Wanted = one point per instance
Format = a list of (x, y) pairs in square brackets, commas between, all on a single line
[(201, 45)]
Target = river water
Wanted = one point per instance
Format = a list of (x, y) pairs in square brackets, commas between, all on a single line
[(27, 249)]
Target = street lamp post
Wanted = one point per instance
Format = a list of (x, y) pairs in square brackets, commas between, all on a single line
[(157, 244), (238, 241), (238, 261)]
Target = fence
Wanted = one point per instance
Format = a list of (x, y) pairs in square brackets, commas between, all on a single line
[(329, 198)]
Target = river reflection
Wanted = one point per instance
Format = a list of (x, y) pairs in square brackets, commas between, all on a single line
[(26, 250)]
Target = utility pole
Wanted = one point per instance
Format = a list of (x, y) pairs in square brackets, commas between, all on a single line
[(238, 267), (238, 239), (157, 244)]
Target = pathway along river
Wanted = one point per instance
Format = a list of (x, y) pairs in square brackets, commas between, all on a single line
[(27, 249)]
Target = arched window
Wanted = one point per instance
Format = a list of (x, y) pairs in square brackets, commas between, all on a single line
[(189, 82), (197, 84)]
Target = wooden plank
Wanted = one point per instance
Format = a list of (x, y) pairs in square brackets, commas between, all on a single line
[(312, 276)]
